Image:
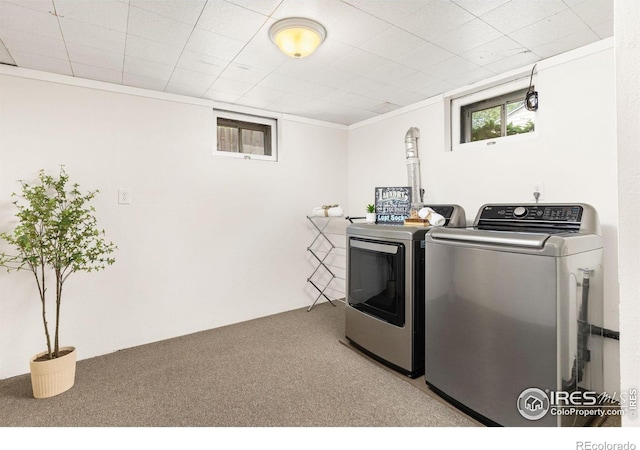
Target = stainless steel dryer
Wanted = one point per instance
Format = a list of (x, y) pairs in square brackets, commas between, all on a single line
[(510, 307), (384, 314)]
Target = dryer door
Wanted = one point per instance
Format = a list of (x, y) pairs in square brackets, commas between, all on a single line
[(376, 279)]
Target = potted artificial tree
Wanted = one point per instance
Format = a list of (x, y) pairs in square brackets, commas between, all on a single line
[(371, 214), (56, 236)]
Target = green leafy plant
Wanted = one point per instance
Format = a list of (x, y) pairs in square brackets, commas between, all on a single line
[(371, 208), (56, 233)]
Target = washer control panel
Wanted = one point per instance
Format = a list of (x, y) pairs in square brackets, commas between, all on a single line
[(538, 218), (533, 213)]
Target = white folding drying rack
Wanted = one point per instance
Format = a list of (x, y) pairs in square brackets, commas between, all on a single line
[(320, 224)]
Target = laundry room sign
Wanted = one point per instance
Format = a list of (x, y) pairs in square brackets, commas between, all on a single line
[(392, 204)]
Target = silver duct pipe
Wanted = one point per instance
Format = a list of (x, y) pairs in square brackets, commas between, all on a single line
[(413, 167)]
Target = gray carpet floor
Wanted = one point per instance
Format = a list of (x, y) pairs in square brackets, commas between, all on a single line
[(285, 370)]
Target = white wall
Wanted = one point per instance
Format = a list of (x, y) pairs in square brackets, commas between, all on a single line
[(627, 44), (207, 241), (573, 154)]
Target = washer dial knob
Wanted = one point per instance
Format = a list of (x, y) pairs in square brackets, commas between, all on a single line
[(520, 211)]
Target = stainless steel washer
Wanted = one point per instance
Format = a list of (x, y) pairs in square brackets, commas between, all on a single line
[(384, 314), (510, 303)]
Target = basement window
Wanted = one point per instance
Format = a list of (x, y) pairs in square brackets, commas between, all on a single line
[(496, 117), (245, 136), (490, 116)]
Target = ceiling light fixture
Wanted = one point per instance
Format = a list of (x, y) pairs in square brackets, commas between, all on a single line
[(297, 37)]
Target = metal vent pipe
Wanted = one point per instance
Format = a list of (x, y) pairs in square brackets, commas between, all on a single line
[(413, 167)]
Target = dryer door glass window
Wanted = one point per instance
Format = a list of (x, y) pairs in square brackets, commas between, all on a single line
[(376, 279)]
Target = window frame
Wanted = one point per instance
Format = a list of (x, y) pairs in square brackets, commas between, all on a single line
[(499, 101), (250, 122), (454, 105)]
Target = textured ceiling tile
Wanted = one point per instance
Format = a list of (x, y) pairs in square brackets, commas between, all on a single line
[(424, 57), (136, 80), (231, 20), (182, 89), (43, 63), (260, 57), (603, 29), (19, 17), (597, 14), (479, 7), (36, 5), (244, 73), (367, 88), (390, 73), (147, 68), (392, 11), (152, 51), (96, 73), (35, 44), (184, 11), (467, 36), (251, 102), (592, 11), (565, 43), (265, 7), (402, 97), (549, 29), (92, 36), (435, 19), (214, 44), (82, 54), (359, 62), (439, 88), (5, 57), (295, 103), (451, 67), (470, 76), (512, 62), (157, 28), (420, 81), (343, 97), (493, 51), (198, 62), (392, 43), (198, 80), (294, 85), (231, 86), (223, 97), (331, 77), (264, 93), (110, 14), (517, 14), (303, 69)]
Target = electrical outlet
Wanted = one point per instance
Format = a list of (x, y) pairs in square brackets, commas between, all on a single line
[(538, 187), (124, 196)]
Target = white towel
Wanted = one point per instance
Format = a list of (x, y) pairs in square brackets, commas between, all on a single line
[(327, 211), (433, 217)]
